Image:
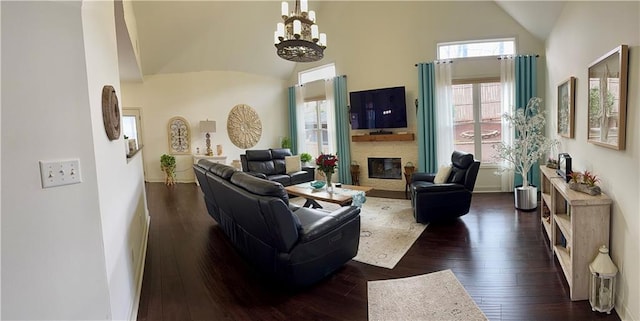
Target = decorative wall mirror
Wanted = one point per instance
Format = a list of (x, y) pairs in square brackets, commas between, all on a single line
[(179, 136), (608, 99)]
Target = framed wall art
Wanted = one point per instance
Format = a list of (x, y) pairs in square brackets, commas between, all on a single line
[(608, 99), (566, 109), (179, 136), (244, 126)]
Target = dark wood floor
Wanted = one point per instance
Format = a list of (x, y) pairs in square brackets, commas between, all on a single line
[(499, 254)]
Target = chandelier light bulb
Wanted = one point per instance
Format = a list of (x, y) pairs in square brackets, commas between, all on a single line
[(304, 6), (312, 16), (284, 9), (276, 40), (297, 28), (323, 39), (314, 32), (280, 30)]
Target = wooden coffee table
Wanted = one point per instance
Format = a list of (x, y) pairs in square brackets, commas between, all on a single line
[(341, 195)]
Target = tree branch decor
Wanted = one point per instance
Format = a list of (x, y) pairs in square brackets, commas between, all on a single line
[(530, 143)]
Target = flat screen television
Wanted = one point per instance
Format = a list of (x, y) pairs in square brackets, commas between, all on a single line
[(378, 108)]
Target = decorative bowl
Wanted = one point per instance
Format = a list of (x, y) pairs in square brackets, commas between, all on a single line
[(317, 184)]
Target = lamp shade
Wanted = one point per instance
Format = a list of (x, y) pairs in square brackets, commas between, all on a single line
[(207, 126)]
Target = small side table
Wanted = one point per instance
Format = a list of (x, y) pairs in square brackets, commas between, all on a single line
[(355, 174), (407, 180), (216, 159), (409, 169)]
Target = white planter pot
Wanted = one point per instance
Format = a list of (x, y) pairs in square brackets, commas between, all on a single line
[(526, 198)]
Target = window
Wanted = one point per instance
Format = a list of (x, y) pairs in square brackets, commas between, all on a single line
[(477, 48), (316, 111), (477, 119), (316, 135), (319, 73)]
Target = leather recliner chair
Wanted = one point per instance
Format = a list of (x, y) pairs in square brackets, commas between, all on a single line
[(440, 202)]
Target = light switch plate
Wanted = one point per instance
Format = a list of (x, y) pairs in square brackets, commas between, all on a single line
[(56, 173)]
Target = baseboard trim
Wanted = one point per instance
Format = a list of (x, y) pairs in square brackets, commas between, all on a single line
[(140, 272)]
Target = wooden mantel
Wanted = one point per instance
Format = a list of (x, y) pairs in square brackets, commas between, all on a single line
[(383, 138)]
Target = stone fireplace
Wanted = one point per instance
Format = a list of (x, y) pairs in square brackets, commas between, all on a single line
[(384, 168)]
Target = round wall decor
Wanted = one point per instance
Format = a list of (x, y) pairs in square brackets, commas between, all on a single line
[(244, 126), (179, 136), (110, 112)]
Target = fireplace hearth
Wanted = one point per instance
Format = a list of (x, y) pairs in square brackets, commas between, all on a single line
[(385, 168)]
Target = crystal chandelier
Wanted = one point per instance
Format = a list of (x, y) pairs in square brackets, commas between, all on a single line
[(297, 38)]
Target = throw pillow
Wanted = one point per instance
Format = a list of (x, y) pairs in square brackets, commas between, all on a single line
[(443, 174), (292, 164)]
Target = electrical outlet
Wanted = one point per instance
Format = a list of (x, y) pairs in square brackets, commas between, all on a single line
[(56, 173)]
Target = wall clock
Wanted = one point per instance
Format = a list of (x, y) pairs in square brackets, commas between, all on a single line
[(110, 112), (244, 126), (179, 136)]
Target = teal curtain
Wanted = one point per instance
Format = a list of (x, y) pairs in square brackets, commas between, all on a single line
[(342, 129), (526, 84), (427, 140), (293, 127)]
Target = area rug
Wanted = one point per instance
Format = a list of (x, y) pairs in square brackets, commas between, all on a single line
[(435, 296), (387, 230)]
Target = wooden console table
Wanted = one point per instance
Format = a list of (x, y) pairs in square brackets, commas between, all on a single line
[(577, 224), (216, 159)]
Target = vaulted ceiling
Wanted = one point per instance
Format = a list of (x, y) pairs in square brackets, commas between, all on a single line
[(192, 36)]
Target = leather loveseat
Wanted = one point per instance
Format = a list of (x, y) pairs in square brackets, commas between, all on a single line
[(296, 246), (270, 164)]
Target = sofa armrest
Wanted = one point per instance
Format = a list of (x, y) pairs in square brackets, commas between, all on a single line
[(427, 177), (316, 223), (258, 175), (437, 188)]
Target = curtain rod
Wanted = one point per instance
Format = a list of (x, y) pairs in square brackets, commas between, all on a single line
[(500, 58), (446, 61)]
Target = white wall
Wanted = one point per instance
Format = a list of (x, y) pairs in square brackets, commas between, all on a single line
[(53, 263), (120, 182), (584, 32), (399, 35), (72, 252), (199, 96)]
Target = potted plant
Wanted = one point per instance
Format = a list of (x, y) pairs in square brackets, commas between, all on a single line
[(585, 183), (285, 142), (529, 145), (168, 166), (305, 158)]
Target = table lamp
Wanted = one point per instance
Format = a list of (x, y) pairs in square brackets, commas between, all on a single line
[(208, 126)]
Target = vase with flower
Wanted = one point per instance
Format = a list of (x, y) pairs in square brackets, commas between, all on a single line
[(327, 164)]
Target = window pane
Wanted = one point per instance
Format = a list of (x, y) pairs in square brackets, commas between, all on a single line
[(129, 126), (463, 118), (476, 49), (476, 132), (322, 108), (310, 127), (322, 72), (491, 120)]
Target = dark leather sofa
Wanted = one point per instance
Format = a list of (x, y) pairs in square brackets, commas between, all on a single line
[(440, 202), (270, 164), (296, 246)]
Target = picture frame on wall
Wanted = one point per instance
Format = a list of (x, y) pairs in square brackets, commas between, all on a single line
[(607, 99), (566, 109)]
